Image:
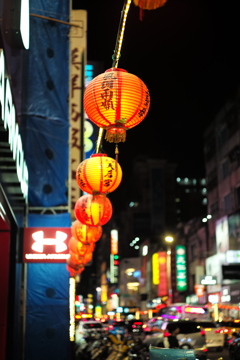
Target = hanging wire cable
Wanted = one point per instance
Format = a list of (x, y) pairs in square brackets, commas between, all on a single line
[(116, 57)]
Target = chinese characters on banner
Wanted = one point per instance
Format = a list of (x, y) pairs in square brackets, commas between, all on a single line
[(181, 268), (78, 53)]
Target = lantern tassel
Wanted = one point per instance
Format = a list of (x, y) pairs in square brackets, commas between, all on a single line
[(116, 152)]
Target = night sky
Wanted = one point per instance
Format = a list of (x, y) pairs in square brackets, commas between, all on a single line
[(187, 53)]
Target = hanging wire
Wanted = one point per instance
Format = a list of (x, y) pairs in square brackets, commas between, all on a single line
[(116, 56), (121, 29)]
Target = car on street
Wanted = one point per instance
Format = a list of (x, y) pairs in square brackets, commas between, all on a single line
[(234, 348), (153, 325), (214, 337), (117, 327), (192, 335), (227, 328), (134, 326), (88, 328)]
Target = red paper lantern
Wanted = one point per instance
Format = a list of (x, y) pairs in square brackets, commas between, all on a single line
[(93, 210), (75, 266), (84, 233), (99, 174), (74, 272), (116, 101), (149, 4), (78, 259), (79, 248)]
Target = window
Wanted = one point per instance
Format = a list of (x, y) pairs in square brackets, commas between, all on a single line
[(212, 179), (227, 202), (223, 136), (214, 208), (225, 169), (210, 146), (193, 252), (237, 196)]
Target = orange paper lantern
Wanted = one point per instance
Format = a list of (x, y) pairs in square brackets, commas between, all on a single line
[(74, 272), (79, 248), (93, 210), (116, 101), (99, 174), (84, 233), (78, 259), (73, 265)]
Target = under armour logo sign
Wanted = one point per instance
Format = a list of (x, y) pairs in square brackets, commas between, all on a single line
[(58, 241)]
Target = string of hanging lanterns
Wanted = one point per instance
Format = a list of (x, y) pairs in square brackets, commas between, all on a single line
[(115, 101)]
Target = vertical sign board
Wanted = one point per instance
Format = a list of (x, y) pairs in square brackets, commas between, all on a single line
[(77, 65), (163, 280), (181, 268), (114, 257), (155, 269)]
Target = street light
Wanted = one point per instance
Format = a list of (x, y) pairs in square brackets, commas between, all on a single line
[(169, 240)]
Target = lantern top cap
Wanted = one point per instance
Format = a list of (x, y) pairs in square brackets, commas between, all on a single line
[(97, 155), (115, 69)]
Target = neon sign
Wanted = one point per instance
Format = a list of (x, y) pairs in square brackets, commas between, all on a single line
[(194, 310), (58, 241), (46, 244)]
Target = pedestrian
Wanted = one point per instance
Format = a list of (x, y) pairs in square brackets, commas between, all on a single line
[(172, 338)]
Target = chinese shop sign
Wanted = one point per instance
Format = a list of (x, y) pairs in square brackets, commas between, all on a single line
[(181, 268)]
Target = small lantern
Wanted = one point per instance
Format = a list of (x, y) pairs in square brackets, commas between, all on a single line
[(99, 174), (116, 101), (93, 210), (84, 233)]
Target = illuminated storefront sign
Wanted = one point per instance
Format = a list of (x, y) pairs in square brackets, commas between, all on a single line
[(181, 268), (72, 286), (155, 269), (194, 310), (8, 117), (114, 242), (163, 280), (208, 280), (46, 244), (199, 290), (114, 258), (233, 256)]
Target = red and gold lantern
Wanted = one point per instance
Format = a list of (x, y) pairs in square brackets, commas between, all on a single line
[(84, 233), (116, 101), (93, 210), (99, 174)]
